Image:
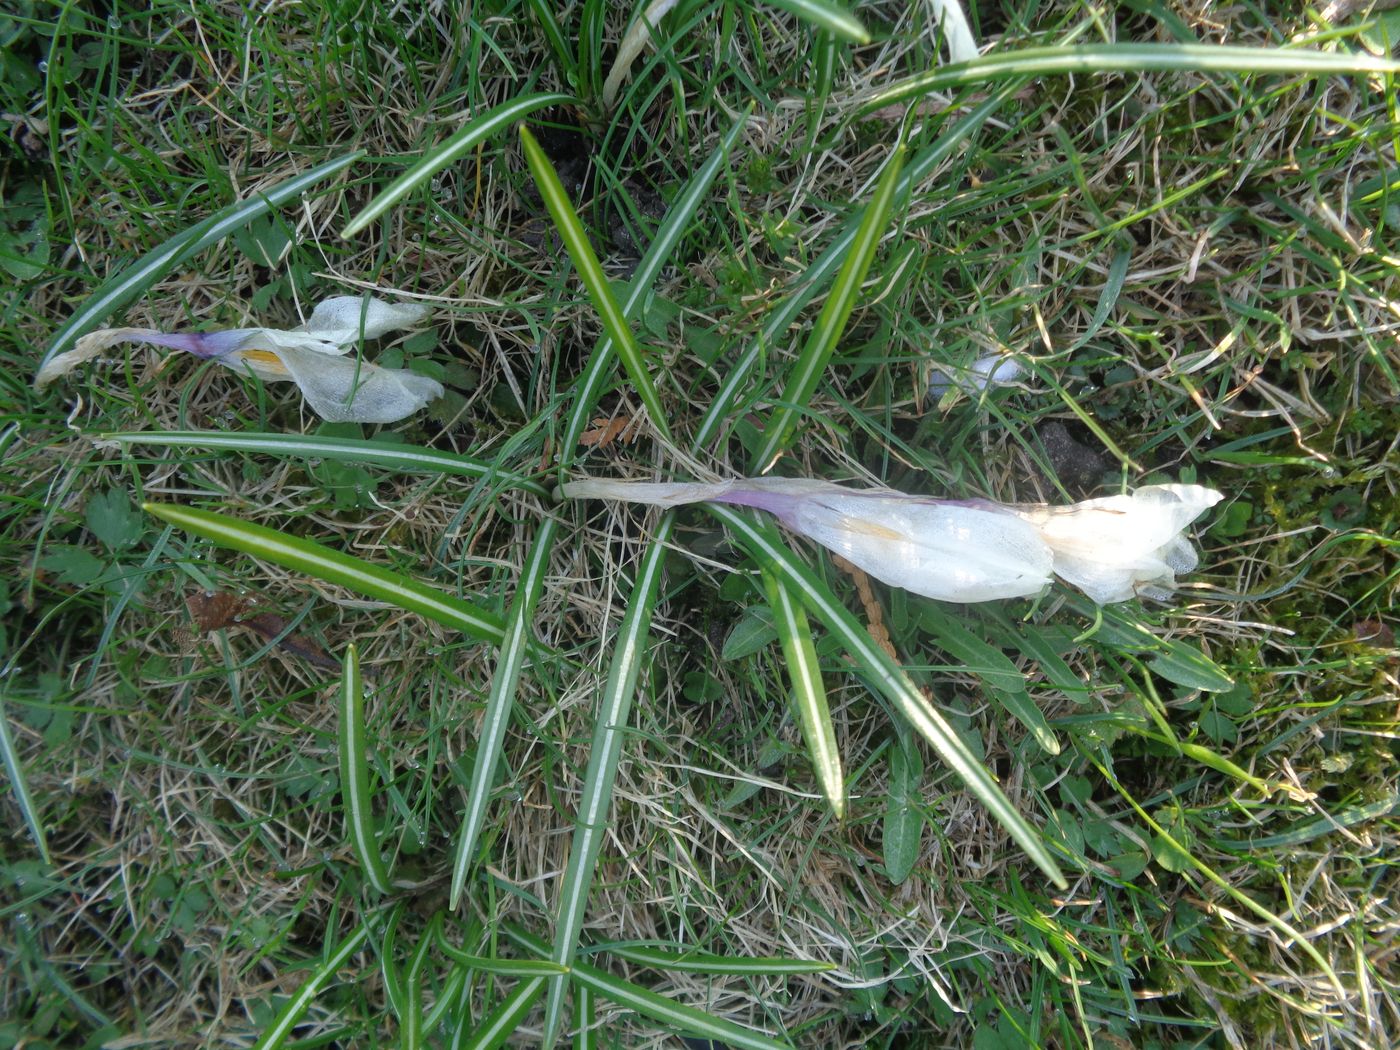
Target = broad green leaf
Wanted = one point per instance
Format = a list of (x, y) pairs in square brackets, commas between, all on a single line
[(477, 130), (354, 774), (135, 280), (111, 517), (1002, 678), (904, 817), (321, 562), (754, 630), (595, 282), (1185, 665)]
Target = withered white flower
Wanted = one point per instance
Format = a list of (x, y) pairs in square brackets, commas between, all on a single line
[(965, 550), (337, 385), (1118, 546)]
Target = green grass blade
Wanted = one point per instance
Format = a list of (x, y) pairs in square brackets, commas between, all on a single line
[(1286, 930), (585, 1019), (505, 967), (816, 276), (501, 703), (595, 282), (765, 545), (135, 280), (673, 228), (319, 561), (1002, 679), (808, 691), (447, 997), (500, 1024), (287, 1018), (831, 323), (824, 14), (406, 459), (394, 991), (1132, 58), (669, 1012), (477, 130), (411, 1013), (650, 1004), (702, 962), (543, 11), (354, 774), (609, 733), (20, 786)]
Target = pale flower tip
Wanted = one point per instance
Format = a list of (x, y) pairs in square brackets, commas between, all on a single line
[(1119, 547)]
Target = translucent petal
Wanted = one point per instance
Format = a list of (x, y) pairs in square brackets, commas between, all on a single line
[(344, 390), (339, 318), (950, 551)]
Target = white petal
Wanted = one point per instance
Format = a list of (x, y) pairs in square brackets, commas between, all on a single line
[(1117, 547), (345, 319), (948, 551), (962, 46), (344, 390)]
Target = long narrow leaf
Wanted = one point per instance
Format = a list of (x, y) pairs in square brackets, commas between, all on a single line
[(501, 703), (433, 160), (609, 732), (277, 1032), (585, 1019), (816, 276), (544, 14), (134, 280), (502, 1022), (831, 323), (703, 962), (678, 218), (828, 15), (20, 786), (1133, 58), (354, 774), (808, 691), (595, 282), (650, 1004), (765, 545), (406, 459), (321, 562)]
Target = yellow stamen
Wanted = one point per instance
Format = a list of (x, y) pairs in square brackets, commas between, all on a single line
[(265, 359), (870, 528)]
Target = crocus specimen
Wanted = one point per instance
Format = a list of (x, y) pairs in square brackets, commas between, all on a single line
[(966, 550), (336, 384)]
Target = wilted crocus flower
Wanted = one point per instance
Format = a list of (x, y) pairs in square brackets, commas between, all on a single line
[(966, 550), (337, 385), (992, 370)]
